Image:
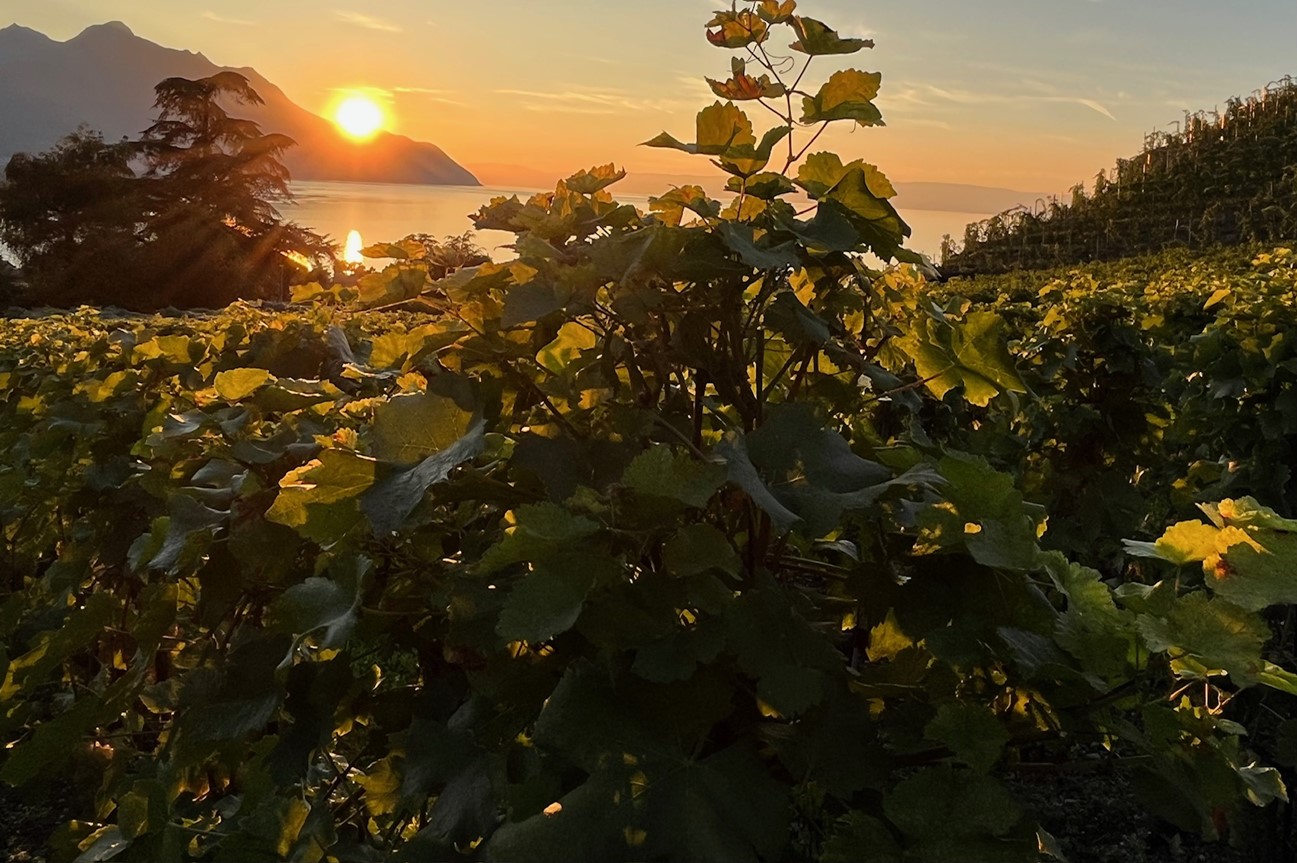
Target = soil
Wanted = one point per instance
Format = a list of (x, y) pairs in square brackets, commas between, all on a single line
[(1096, 819)]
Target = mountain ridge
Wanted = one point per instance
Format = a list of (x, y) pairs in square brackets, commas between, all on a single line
[(104, 77)]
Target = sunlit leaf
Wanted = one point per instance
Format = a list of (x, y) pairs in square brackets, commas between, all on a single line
[(847, 95), (816, 38), (737, 29), (588, 182), (741, 86)]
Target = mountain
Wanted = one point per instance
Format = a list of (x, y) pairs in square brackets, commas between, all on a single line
[(947, 197), (104, 78)]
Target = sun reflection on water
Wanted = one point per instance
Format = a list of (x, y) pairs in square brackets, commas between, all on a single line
[(351, 251)]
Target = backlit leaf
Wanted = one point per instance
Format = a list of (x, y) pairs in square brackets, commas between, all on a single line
[(847, 95), (816, 38)]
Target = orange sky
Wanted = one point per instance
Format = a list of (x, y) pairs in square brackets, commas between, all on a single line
[(1032, 96)]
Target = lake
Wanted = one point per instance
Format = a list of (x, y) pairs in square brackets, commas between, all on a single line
[(383, 212)]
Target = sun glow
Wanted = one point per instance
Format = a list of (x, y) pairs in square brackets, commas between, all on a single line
[(359, 117)]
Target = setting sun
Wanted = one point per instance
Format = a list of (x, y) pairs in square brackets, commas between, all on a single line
[(359, 117)]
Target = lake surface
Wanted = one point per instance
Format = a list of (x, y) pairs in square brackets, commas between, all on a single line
[(383, 212)]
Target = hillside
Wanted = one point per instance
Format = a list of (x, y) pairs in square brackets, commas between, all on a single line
[(104, 78), (1221, 179)]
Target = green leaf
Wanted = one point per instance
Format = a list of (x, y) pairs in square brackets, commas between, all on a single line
[(528, 303), (766, 185), (971, 354), (741, 86), (1092, 628), (847, 95), (1247, 512), (966, 805), (237, 384), (659, 472), (726, 807), (971, 731), (739, 238), (1217, 633), (395, 495), (588, 182), (321, 500), (697, 548), (983, 513), (673, 204), (816, 39), (776, 11), (791, 662), (187, 520), (410, 428), (542, 531), (721, 127), (392, 285), (566, 348), (546, 602), (50, 648), (678, 656), (737, 29), (392, 349), (742, 473), (822, 173), (324, 609), (787, 316), (1255, 579), (745, 160)]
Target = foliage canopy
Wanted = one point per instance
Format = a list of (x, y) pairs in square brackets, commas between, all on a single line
[(635, 547)]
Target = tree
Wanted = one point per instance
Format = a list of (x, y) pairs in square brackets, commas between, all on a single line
[(184, 217), (66, 212)]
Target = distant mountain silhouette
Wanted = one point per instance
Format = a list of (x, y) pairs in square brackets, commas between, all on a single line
[(105, 76), (949, 197)]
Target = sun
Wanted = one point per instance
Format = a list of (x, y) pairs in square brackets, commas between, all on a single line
[(359, 117)]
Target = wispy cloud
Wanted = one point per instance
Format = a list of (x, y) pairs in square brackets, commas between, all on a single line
[(221, 19), (1032, 92), (369, 22), (429, 94), (579, 101)]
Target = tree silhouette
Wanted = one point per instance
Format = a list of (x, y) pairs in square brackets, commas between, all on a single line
[(185, 216)]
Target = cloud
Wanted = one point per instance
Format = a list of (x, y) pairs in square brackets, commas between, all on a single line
[(927, 95), (220, 19), (429, 94), (368, 22), (578, 101)]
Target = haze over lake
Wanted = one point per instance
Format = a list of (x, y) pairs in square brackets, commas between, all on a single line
[(384, 212)]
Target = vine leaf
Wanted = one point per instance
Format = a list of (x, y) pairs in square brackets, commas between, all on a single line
[(776, 12), (546, 602), (847, 95), (969, 353), (720, 127), (395, 495), (971, 731), (593, 180), (741, 86), (659, 472), (409, 428), (817, 39), (737, 29), (323, 610), (237, 384), (321, 500)]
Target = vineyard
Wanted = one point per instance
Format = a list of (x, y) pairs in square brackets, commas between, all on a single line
[(683, 536), (1218, 179)]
